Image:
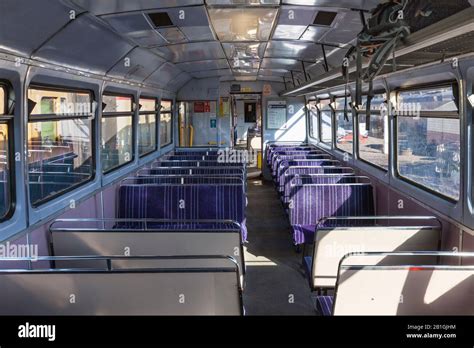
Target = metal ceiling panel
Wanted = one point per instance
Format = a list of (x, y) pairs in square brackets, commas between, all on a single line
[(211, 73), (270, 78), (274, 63), (140, 64), (243, 24), (204, 65), (349, 4), (164, 74), (294, 49), (196, 51), (25, 24), (245, 63), (345, 29), (314, 33), (136, 27), (246, 78), (244, 50), (198, 33), (243, 2), (101, 7), (293, 22), (273, 72), (163, 52), (192, 21), (86, 44), (172, 35), (178, 82), (245, 71)]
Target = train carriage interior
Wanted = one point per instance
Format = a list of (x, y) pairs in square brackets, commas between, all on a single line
[(236, 158)]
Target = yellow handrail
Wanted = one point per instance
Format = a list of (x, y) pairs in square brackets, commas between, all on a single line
[(191, 136)]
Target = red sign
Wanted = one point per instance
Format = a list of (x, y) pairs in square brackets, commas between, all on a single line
[(202, 106), (198, 106)]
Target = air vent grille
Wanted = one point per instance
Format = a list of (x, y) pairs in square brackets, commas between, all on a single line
[(325, 18), (160, 19)]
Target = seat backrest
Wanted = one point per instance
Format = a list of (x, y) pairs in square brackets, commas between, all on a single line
[(140, 287), (134, 242), (284, 165), (290, 173), (339, 178), (404, 286), (331, 244), (183, 202)]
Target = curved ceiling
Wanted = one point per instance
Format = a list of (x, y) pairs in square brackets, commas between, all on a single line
[(165, 43)]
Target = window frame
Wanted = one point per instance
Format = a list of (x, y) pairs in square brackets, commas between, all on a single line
[(428, 114), (320, 120), (170, 112), (7, 118), (118, 114), (336, 111), (363, 112), (145, 113), (310, 123), (58, 117)]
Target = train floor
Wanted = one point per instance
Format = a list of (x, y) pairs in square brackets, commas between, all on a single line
[(274, 284)]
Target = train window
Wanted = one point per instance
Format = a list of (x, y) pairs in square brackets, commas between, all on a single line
[(313, 119), (5, 195), (325, 121), (117, 131), (166, 123), (147, 126), (60, 141), (373, 132), (428, 131), (344, 124)]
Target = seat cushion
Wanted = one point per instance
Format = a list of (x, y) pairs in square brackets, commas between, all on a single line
[(307, 262), (303, 233), (324, 305)]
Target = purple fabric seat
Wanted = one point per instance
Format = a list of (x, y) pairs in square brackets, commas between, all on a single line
[(272, 150), (283, 167), (279, 159), (320, 179), (192, 171), (311, 203), (278, 154), (307, 263), (183, 202), (196, 164), (291, 172), (324, 305)]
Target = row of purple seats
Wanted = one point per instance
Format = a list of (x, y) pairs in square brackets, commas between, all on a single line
[(283, 185), (312, 189), (284, 165), (278, 160), (278, 154), (186, 190)]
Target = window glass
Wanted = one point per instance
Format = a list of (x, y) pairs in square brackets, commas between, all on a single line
[(117, 132), (373, 142), (3, 110), (166, 124), (313, 120), (59, 149), (344, 124), (429, 147), (147, 126), (432, 99), (326, 121), (115, 103), (5, 199), (55, 102)]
